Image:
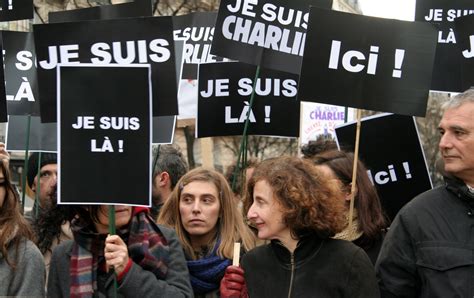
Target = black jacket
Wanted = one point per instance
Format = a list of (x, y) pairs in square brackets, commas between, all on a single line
[(317, 268), (373, 249), (429, 249)]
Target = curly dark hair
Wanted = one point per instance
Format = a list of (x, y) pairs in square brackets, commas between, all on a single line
[(47, 223), (310, 202)]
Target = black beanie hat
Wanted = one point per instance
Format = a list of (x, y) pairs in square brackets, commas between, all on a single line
[(46, 159)]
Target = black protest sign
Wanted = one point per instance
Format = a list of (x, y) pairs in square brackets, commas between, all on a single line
[(105, 12), (11, 10), (21, 85), (392, 152), (42, 136), (163, 129), (271, 33), (366, 62), (448, 60), (224, 96), (197, 30), (104, 135), (120, 41), (465, 41)]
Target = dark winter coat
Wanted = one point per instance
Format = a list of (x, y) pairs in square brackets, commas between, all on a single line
[(317, 268), (429, 249)]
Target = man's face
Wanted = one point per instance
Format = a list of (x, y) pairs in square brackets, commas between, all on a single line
[(47, 186), (457, 142)]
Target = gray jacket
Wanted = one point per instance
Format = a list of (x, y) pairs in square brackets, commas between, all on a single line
[(137, 282), (28, 277)]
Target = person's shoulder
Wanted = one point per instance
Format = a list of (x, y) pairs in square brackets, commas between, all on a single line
[(28, 253), (342, 247), (435, 193), (166, 231), (257, 253), (260, 249), (345, 252), (169, 234), (425, 200), (29, 249)]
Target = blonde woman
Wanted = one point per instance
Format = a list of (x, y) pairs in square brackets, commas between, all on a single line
[(202, 211)]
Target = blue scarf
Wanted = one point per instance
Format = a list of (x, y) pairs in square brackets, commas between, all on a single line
[(206, 273)]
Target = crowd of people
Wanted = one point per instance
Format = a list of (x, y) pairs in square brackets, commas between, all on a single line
[(290, 214)]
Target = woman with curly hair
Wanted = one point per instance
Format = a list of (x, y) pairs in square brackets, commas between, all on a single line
[(22, 271), (369, 222), (295, 206), (205, 216)]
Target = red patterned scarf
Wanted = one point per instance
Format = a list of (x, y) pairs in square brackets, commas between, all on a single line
[(147, 247)]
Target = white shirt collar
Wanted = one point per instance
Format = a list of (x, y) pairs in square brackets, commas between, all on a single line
[(470, 188)]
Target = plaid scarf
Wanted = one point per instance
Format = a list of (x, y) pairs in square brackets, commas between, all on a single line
[(147, 247)]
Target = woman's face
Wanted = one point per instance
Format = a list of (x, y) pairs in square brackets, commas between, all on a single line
[(3, 189), (199, 208), (123, 214), (266, 213)]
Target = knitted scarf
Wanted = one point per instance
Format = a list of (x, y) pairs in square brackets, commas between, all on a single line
[(147, 247), (353, 233), (207, 272)]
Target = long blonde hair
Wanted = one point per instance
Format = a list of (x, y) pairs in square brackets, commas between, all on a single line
[(231, 225)]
